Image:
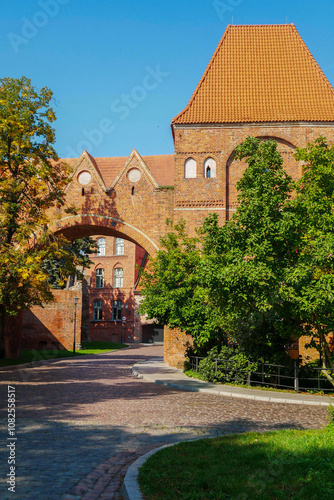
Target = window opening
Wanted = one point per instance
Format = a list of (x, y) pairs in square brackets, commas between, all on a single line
[(118, 277), (117, 310), (119, 246), (99, 278), (190, 168), (97, 310), (101, 246)]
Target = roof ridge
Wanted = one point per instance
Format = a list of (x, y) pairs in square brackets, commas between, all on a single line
[(204, 74), (259, 25), (260, 73), (314, 62)]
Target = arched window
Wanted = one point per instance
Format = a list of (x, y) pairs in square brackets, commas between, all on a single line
[(119, 246), (209, 168), (98, 310), (118, 277), (190, 168), (101, 246), (99, 278)]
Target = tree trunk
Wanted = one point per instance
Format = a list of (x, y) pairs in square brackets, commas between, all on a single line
[(11, 335), (326, 355)]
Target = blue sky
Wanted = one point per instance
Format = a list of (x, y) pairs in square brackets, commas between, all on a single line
[(121, 70)]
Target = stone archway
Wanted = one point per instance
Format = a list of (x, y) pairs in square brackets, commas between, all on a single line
[(81, 225)]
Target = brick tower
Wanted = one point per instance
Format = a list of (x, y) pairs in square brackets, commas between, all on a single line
[(261, 81)]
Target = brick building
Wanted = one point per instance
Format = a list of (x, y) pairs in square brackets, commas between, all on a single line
[(261, 81), (111, 286)]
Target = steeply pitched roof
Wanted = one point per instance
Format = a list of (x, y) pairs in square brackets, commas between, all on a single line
[(261, 73), (161, 167)]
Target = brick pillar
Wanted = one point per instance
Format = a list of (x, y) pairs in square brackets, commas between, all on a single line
[(175, 345)]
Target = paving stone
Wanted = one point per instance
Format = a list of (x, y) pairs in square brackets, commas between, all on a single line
[(82, 422)]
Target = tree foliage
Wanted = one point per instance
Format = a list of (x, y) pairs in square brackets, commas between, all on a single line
[(60, 268), (173, 294), (32, 181), (266, 276)]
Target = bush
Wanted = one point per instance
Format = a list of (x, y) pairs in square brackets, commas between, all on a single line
[(331, 414), (231, 366)]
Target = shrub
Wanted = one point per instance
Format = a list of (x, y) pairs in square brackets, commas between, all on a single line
[(229, 365)]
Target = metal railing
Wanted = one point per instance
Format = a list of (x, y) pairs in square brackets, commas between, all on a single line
[(270, 375)]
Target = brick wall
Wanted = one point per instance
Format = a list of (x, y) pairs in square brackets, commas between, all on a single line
[(108, 329), (175, 344), (52, 326), (311, 354), (11, 340), (195, 198), (139, 215)]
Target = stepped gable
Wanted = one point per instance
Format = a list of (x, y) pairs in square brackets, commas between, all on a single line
[(161, 167), (261, 73)]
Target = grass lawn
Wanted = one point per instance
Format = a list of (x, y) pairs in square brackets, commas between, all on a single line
[(288, 464), (87, 348)]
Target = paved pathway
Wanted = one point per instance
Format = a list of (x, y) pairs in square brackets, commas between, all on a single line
[(82, 421)]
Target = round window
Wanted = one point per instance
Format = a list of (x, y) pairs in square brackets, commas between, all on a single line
[(84, 178), (134, 175)]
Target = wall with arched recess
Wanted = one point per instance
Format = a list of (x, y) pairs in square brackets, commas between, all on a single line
[(134, 209), (196, 198), (235, 169)]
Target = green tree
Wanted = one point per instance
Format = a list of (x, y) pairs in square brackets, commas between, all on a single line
[(309, 284), (32, 181), (59, 269), (245, 260), (271, 266), (172, 291), (266, 276)]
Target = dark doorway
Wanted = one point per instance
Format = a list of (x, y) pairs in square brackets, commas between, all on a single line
[(152, 333)]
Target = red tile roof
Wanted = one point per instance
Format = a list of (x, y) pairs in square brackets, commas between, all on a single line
[(261, 73), (160, 166)]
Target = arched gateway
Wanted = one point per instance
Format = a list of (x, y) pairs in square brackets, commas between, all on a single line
[(129, 198), (261, 81)]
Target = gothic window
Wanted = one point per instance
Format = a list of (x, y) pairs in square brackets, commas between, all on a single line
[(209, 168), (119, 246), (117, 310), (97, 310), (118, 277), (190, 169), (101, 246), (99, 278)]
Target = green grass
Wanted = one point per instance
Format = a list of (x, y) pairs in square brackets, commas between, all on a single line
[(87, 348), (288, 464)]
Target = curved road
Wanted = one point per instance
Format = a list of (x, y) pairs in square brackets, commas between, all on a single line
[(80, 422)]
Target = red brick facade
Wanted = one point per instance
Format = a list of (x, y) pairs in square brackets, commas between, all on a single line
[(52, 326), (113, 298)]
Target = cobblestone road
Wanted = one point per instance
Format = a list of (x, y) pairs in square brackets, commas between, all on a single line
[(82, 421)]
